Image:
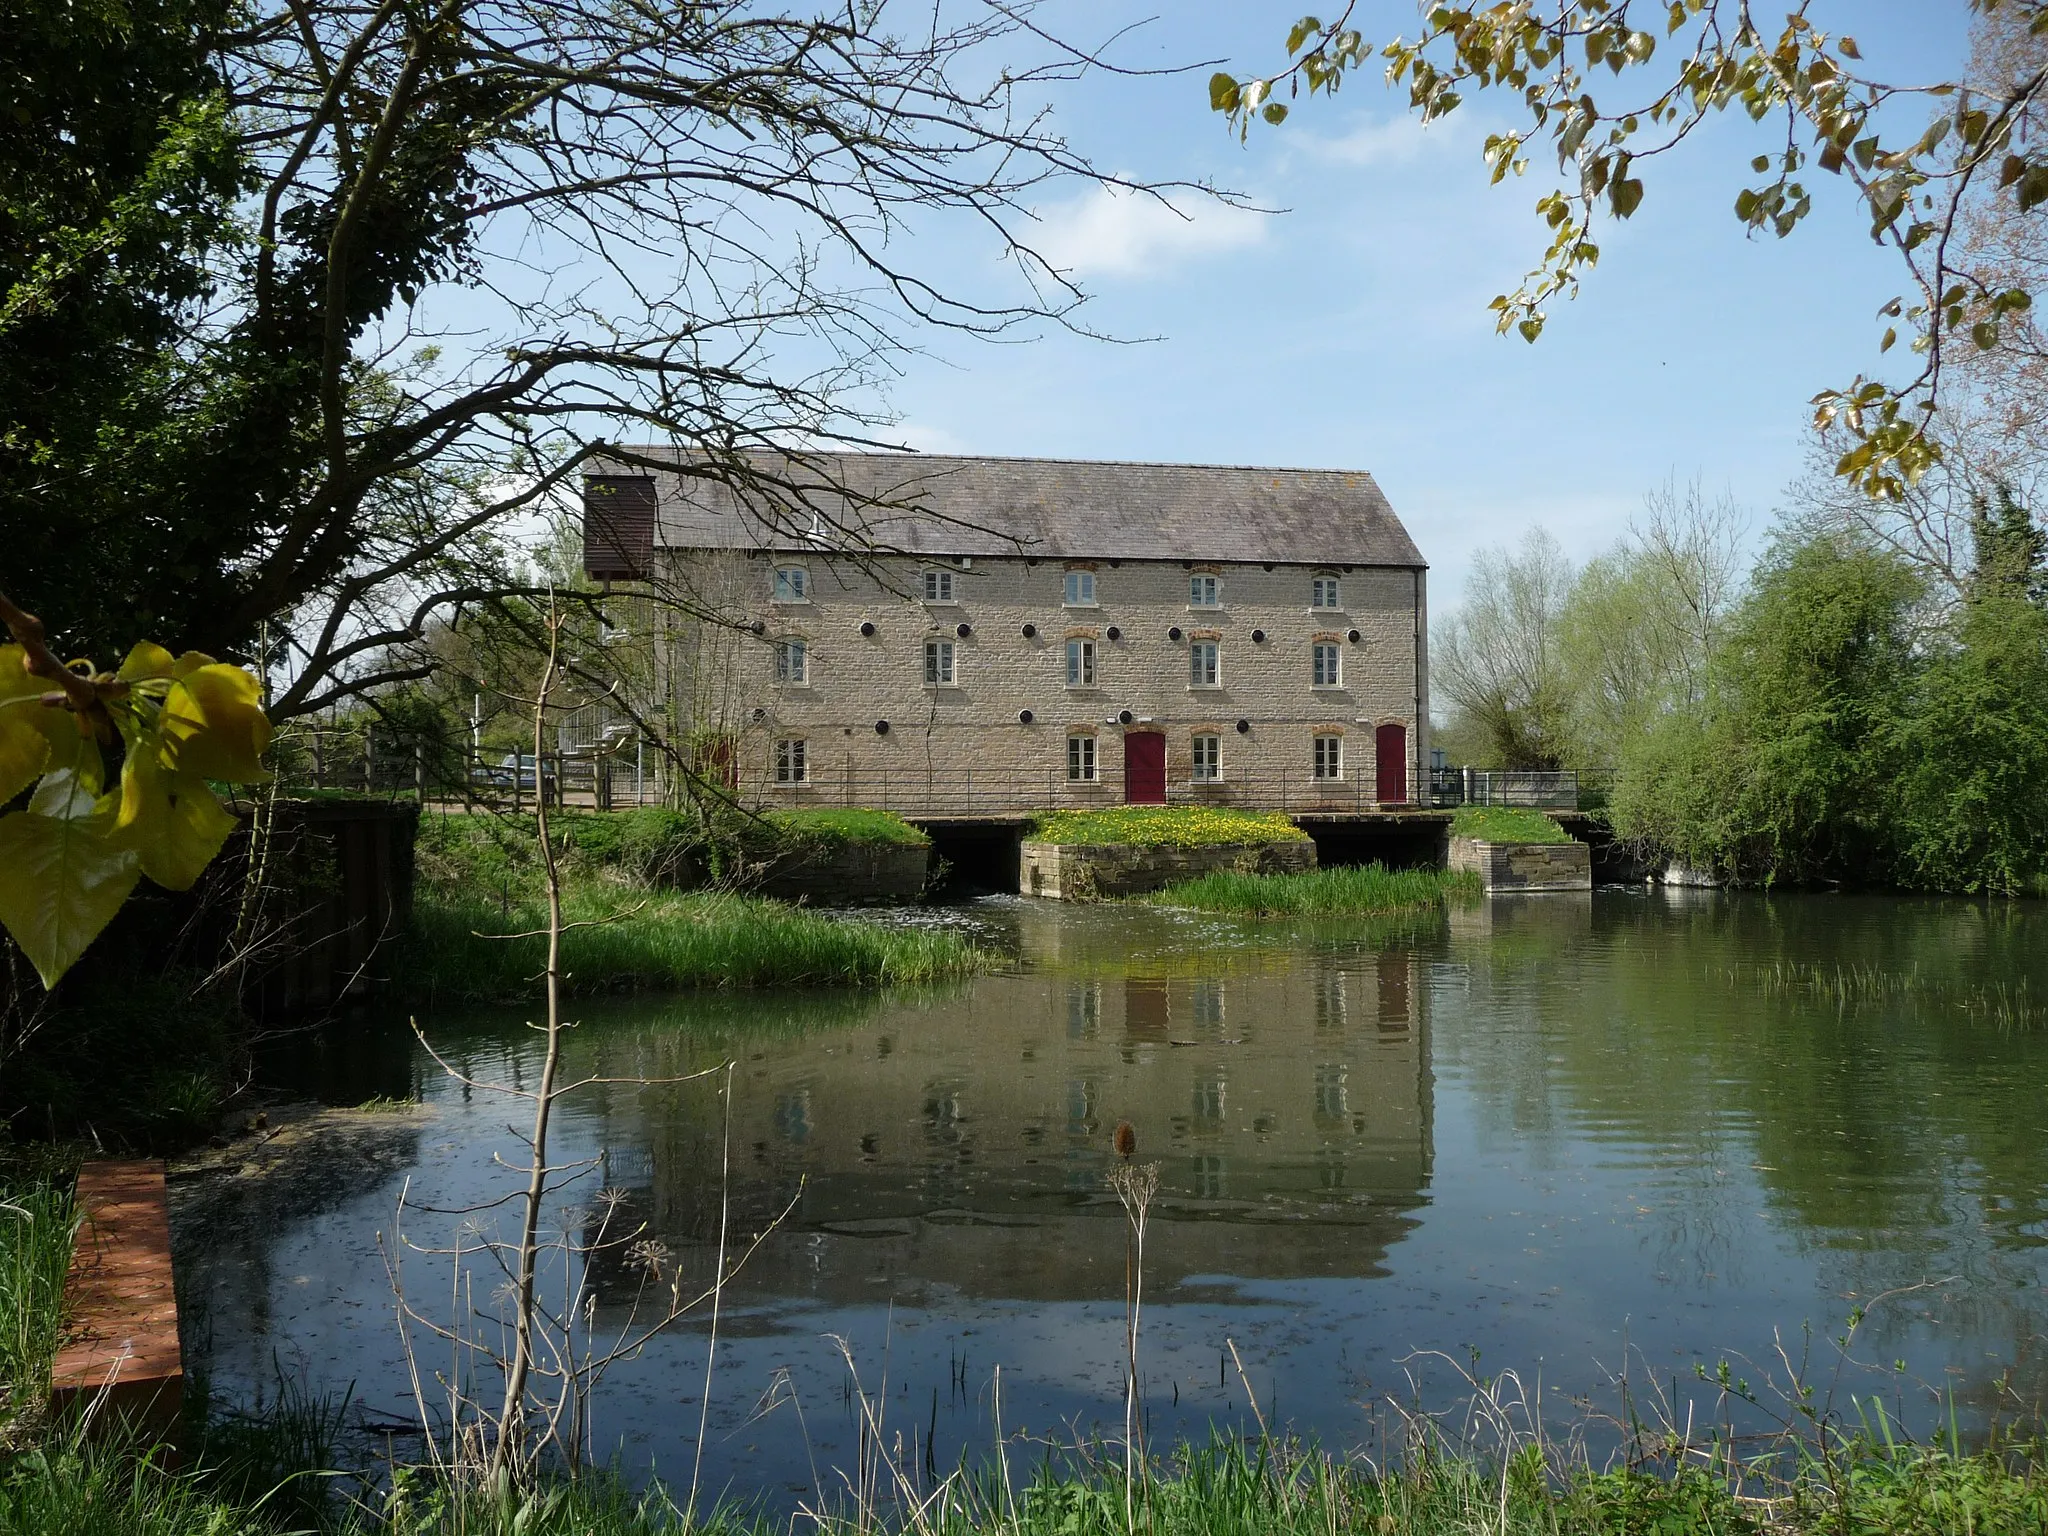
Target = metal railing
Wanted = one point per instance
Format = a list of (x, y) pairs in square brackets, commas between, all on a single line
[(967, 792), (1533, 789), (370, 763)]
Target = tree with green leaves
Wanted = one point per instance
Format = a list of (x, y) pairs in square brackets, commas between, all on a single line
[(1602, 89), (1783, 771), (1496, 660)]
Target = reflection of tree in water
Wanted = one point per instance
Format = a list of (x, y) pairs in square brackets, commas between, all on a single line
[(1885, 1135)]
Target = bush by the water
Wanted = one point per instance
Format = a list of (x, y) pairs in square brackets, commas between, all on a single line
[(1506, 824), (1369, 890), (634, 941), (1176, 826)]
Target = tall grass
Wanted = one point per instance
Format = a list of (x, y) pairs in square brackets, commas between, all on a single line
[(636, 942), (37, 1225), (2011, 1005), (1368, 890), (1173, 826), (1227, 1488)]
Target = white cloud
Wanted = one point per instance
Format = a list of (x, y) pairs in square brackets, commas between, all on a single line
[(1114, 233)]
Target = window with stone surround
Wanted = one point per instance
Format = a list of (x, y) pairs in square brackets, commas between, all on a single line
[(938, 586), (1080, 591), (792, 584), (938, 663), (1080, 663), (1329, 758), (792, 761), (1325, 592), (1329, 664), (1081, 758), (1205, 666), (1205, 591), (1208, 759), (792, 661)]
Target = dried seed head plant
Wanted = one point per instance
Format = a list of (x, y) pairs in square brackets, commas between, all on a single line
[(1135, 1185)]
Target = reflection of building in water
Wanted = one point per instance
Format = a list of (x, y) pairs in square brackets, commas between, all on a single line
[(963, 1143)]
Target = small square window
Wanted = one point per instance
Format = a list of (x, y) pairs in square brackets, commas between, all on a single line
[(792, 661), (1081, 759), (1329, 762), (1208, 766), (1204, 592), (938, 663), (1325, 593), (1329, 665), (1081, 588), (792, 763), (1080, 663), (792, 584), (1204, 670), (938, 586)]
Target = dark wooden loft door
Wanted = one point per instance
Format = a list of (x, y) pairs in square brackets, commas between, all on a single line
[(1145, 768), (1390, 765)]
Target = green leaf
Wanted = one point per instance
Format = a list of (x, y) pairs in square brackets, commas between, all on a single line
[(1274, 112), (61, 882), (1223, 93), (24, 737), (1627, 195)]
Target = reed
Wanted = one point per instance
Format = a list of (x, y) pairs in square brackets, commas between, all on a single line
[(37, 1225), (2010, 1005), (627, 942), (1369, 890)]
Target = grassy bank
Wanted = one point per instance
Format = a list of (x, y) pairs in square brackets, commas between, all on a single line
[(646, 940), (1172, 826), (1227, 1490), (1504, 824), (1370, 890), (480, 875)]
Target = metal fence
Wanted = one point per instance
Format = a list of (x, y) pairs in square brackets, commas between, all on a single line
[(1546, 791), (965, 792), (438, 772)]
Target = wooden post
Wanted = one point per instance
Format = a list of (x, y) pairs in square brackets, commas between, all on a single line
[(419, 770), (123, 1352), (319, 737), (369, 760)]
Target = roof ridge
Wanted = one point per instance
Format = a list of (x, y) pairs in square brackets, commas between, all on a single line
[(1020, 458)]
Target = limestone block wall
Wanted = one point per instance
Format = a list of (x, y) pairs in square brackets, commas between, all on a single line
[(1095, 871), (851, 873), (875, 732), (1525, 866)]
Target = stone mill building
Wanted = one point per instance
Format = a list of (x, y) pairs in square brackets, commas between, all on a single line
[(953, 636)]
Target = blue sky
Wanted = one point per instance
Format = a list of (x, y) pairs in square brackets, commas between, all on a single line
[(1350, 330)]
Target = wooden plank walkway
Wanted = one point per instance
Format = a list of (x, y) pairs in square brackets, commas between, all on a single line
[(121, 1306)]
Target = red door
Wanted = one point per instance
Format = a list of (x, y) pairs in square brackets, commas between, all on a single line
[(1390, 763), (1145, 768)]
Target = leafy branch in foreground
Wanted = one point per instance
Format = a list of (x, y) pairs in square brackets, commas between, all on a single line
[(69, 860), (1977, 148)]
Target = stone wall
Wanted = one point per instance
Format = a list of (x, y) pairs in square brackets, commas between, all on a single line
[(1525, 866), (850, 873), (1098, 871), (962, 745)]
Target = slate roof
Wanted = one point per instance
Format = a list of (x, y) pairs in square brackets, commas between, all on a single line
[(933, 504)]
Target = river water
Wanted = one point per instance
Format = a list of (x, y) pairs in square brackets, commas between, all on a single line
[(1563, 1138)]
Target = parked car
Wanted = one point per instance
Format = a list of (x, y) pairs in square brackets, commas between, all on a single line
[(514, 769)]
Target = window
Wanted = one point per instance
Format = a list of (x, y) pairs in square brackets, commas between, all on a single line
[(1204, 592), (792, 584), (1080, 663), (1329, 757), (938, 586), (791, 764), (1081, 759), (1329, 664), (938, 663), (1208, 759), (1081, 588), (792, 661), (1202, 668), (1323, 593)]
